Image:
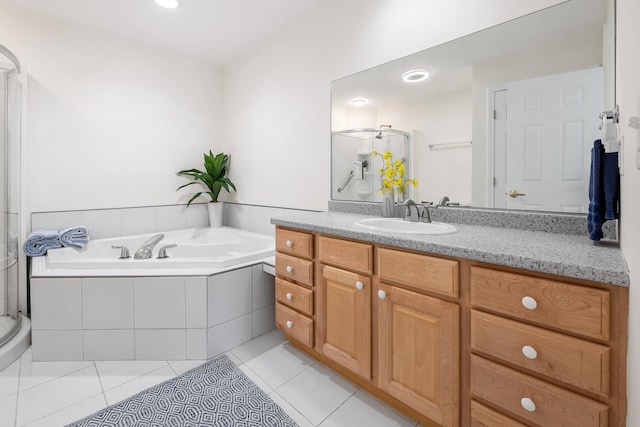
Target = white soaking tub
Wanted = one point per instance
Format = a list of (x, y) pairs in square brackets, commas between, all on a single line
[(197, 251)]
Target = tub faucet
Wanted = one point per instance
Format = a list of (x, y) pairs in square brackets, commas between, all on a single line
[(147, 247)]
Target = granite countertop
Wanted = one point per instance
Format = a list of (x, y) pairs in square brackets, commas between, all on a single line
[(562, 254)]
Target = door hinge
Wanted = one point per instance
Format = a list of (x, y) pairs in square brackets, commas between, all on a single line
[(494, 181), (495, 114)]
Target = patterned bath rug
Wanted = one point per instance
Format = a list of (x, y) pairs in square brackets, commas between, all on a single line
[(216, 394)]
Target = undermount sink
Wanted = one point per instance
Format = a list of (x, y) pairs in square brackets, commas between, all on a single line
[(398, 225)]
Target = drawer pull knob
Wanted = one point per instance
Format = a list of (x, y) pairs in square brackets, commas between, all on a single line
[(529, 303), (289, 269), (382, 294), (289, 243), (289, 296), (359, 285), (528, 404), (529, 352), (289, 324)]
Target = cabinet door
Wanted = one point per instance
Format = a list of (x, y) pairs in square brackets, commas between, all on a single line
[(344, 320), (419, 340)]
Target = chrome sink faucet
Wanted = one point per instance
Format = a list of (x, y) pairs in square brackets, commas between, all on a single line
[(145, 251), (411, 211)]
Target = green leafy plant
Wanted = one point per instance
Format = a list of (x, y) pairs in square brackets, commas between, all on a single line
[(213, 177)]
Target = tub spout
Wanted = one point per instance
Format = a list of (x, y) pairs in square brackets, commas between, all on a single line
[(147, 247)]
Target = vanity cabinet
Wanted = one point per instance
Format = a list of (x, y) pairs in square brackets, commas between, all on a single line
[(454, 342), (294, 285), (541, 349), (344, 303)]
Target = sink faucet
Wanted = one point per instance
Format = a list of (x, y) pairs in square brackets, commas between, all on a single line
[(444, 201), (147, 247), (412, 211)]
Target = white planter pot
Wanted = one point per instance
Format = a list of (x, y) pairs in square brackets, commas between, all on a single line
[(216, 212)]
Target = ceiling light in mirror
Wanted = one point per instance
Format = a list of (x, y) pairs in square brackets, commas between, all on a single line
[(413, 76), (359, 102), (169, 4)]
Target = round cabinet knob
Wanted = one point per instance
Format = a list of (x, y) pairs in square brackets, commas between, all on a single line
[(528, 404), (289, 324), (359, 285), (382, 294), (289, 243), (289, 269), (529, 352), (289, 295), (529, 303)]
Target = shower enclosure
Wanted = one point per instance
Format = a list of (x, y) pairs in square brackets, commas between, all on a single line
[(355, 169), (12, 324)]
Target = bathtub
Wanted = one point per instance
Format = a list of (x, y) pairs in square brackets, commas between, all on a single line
[(198, 251)]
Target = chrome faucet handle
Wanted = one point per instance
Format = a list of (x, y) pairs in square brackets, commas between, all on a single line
[(162, 253), (124, 252)]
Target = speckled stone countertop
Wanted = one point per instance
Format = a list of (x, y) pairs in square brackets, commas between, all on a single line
[(562, 254)]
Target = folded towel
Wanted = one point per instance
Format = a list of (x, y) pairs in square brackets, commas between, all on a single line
[(39, 242), (75, 237)]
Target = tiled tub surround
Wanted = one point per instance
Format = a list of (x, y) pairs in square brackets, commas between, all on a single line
[(149, 318), (555, 253)]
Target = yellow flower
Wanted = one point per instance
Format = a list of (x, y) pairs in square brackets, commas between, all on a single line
[(392, 173)]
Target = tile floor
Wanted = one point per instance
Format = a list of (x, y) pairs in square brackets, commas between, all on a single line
[(56, 393)]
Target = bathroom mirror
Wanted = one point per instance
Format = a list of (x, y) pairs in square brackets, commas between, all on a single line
[(513, 109)]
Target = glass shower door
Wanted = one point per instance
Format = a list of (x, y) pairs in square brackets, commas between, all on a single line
[(9, 201)]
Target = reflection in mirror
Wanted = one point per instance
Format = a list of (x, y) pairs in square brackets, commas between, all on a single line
[(356, 169), (512, 109)]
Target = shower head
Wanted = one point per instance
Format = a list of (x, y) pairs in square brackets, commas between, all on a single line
[(379, 135)]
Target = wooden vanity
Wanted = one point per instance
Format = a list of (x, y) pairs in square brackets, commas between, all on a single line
[(455, 342)]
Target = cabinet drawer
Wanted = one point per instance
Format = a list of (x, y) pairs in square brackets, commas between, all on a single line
[(572, 308), (295, 296), (294, 324), (342, 253), (296, 269), (548, 405), (295, 243), (568, 359), (482, 416), (419, 271)]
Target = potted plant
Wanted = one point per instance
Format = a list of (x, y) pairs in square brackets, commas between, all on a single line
[(214, 179)]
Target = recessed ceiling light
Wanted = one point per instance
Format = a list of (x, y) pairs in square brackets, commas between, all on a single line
[(416, 75), (359, 102), (169, 4)]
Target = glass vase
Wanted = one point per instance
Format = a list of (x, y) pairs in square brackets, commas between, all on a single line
[(387, 204)]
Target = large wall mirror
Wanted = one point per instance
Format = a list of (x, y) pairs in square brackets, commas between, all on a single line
[(505, 119)]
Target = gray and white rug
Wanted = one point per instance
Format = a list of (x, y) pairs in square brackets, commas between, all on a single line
[(216, 393)]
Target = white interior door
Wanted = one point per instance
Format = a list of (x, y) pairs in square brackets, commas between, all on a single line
[(552, 123)]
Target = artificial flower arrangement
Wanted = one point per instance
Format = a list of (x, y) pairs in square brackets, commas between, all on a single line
[(392, 172)]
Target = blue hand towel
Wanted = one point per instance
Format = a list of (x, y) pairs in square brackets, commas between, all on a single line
[(39, 242), (75, 237), (611, 184), (596, 214)]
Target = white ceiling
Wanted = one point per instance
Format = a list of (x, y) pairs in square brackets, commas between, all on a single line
[(215, 31)]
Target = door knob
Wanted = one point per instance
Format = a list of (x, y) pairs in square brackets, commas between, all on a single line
[(514, 194)]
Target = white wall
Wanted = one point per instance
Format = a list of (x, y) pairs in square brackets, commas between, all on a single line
[(628, 98), (109, 121), (277, 101)]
